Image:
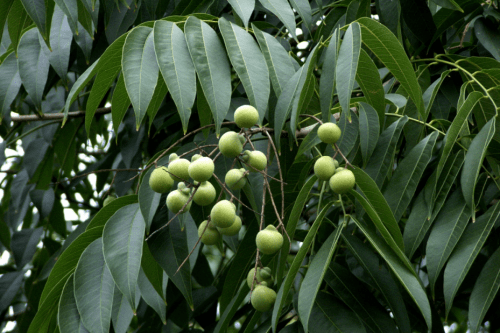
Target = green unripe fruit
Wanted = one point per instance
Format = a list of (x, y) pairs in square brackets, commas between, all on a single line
[(235, 179), (246, 116), (263, 275), (230, 144), (269, 240), (211, 236), (343, 181), (324, 168), (160, 180), (205, 194), (177, 199), (336, 163), (256, 160), (263, 298), (339, 169), (329, 133), (178, 167), (223, 214), (232, 230), (201, 168), (108, 200)]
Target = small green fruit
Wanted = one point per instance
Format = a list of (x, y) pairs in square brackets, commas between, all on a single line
[(339, 169), (160, 180), (269, 240), (263, 275), (201, 168), (178, 198), (230, 144), (178, 167), (108, 200), (234, 229), (235, 179), (205, 194), (343, 181), (263, 298), (329, 133), (246, 116), (211, 236), (223, 214), (324, 167), (256, 160)]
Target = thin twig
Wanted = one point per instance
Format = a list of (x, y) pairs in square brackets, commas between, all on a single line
[(56, 116), (96, 171), (262, 172), (345, 159), (194, 247), (311, 116)]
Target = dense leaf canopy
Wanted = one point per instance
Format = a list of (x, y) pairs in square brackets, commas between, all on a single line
[(96, 94)]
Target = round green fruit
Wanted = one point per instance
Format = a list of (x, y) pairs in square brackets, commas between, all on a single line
[(160, 180), (176, 200), (230, 144), (263, 298), (205, 194), (178, 167), (263, 275), (223, 214), (339, 169), (211, 236), (246, 116), (234, 229), (269, 240), (256, 160), (336, 163), (108, 200), (324, 167), (343, 181), (329, 133), (235, 179), (201, 168)]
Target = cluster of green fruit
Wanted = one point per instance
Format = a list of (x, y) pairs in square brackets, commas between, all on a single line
[(341, 180)]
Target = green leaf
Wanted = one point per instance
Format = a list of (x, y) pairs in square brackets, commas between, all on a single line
[(279, 63), (303, 8), (148, 200), (40, 12), (120, 103), (176, 67), (314, 276), (17, 21), (24, 245), (327, 79), (387, 48), (5, 7), (152, 270), (330, 315), (485, 290), (94, 288), (105, 213), (449, 4), (473, 161), (381, 278), (359, 299), (122, 313), (70, 9), (68, 318), (311, 140), (249, 64), (488, 36), (406, 275), (10, 83), (33, 66), (369, 81), (211, 64), (444, 235), (375, 198), (243, 8), (159, 94), (151, 297), (350, 132), (368, 130), (347, 63), (465, 253), (430, 93), (9, 286), (292, 224), (122, 240), (403, 183), (140, 69), (294, 268), (456, 127), (169, 248), (284, 12)]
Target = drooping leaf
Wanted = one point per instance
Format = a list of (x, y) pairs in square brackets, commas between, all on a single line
[(24, 244), (68, 318), (328, 72), (122, 313), (148, 200), (176, 67), (120, 103), (10, 83), (368, 130), (70, 9), (347, 64), (40, 12), (243, 8), (212, 67), (248, 62), (283, 11), (367, 76), (17, 21), (140, 69), (9, 286), (151, 297), (488, 36), (303, 8)]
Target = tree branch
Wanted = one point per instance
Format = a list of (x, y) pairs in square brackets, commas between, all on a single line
[(56, 116)]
